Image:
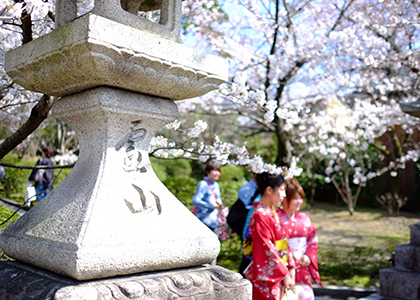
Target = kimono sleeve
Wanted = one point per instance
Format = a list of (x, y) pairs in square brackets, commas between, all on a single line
[(312, 242), (268, 268), (311, 251)]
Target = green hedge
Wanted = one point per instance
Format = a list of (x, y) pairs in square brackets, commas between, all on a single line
[(18, 178), (7, 217)]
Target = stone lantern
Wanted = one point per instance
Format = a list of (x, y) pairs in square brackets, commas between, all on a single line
[(117, 76), (402, 280)]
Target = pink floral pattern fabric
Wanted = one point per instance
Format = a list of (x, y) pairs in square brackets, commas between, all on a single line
[(300, 226), (266, 270)]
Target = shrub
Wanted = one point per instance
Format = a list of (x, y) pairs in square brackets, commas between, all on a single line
[(232, 173), (182, 188), (229, 190), (159, 168), (7, 217), (171, 168), (18, 178), (230, 255)]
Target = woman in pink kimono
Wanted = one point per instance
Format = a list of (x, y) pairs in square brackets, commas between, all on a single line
[(302, 239), (272, 266)]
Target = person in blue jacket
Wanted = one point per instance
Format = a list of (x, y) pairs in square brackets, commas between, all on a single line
[(207, 198), (247, 191)]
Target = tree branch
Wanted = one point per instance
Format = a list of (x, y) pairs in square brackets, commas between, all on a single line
[(15, 104), (38, 114), (260, 121), (339, 190), (397, 143), (26, 26), (356, 197), (390, 40), (342, 11), (283, 81), (273, 49), (36, 167)]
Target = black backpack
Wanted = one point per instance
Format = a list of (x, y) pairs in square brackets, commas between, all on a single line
[(238, 214)]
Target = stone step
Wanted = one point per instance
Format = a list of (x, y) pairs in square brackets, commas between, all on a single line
[(341, 292), (415, 234), (407, 258), (399, 284)]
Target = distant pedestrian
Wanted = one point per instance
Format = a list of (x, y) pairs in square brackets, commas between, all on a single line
[(2, 172), (207, 198), (43, 178)]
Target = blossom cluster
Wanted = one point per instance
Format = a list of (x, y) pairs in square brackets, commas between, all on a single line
[(348, 139), (224, 152)]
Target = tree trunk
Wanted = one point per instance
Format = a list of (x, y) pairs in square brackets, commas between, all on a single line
[(284, 147), (350, 207)]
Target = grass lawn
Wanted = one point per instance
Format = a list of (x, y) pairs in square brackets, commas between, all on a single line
[(352, 249)]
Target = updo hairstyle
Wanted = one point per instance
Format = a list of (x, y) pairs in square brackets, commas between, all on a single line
[(265, 180)]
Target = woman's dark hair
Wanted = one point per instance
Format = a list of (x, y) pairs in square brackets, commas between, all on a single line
[(265, 180), (212, 165), (49, 151), (293, 188)]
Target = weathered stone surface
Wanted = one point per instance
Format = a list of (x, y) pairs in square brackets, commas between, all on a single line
[(126, 12), (415, 234), (111, 215), (399, 284), (20, 281), (341, 292), (93, 51), (407, 258)]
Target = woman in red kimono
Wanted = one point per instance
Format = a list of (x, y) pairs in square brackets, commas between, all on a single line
[(302, 239), (272, 267)]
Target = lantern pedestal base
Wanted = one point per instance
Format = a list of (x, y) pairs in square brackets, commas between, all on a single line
[(20, 281)]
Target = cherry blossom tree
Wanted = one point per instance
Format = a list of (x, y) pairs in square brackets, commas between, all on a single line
[(348, 143), (287, 50), (285, 56)]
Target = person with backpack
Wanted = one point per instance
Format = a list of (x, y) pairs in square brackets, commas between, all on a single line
[(246, 194), (43, 178)]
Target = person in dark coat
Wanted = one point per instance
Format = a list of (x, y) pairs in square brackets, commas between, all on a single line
[(43, 178), (2, 172)]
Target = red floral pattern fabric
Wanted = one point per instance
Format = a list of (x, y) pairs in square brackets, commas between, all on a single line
[(300, 226), (266, 270)]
